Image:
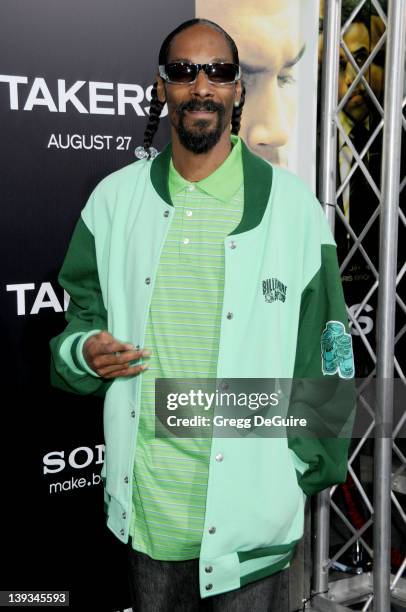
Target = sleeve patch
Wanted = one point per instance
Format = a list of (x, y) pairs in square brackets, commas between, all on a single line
[(336, 351)]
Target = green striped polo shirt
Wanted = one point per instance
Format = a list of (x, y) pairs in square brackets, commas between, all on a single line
[(183, 329)]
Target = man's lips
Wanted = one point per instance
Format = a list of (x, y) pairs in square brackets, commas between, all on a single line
[(200, 112)]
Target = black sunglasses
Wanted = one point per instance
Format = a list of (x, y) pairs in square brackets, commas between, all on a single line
[(218, 73)]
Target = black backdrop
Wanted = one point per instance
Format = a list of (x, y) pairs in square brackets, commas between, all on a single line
[(53, 533), (66, 71)]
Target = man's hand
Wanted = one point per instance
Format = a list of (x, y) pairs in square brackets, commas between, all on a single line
[(110, 358)]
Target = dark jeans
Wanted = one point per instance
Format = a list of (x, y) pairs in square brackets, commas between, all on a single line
[(173, 586)]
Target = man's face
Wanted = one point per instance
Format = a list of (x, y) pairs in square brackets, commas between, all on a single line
[(267, 36), (361, 43), (357, 41), (199, 112)]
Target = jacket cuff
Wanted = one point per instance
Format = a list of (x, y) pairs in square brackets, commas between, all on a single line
[(66, 354), (300, 466), (78, 352)]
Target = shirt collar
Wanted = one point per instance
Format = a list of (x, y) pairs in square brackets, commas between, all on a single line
[(258, 180), (221, 184)]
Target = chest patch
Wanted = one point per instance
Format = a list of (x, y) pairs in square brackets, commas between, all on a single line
[(273, 289)]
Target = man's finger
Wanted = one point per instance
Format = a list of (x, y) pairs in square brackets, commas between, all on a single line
[(120, 371), (118, 358), (113, 346)]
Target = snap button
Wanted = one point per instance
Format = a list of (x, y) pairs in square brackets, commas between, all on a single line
[(230, 315), (166, 213), (209, 587), (126, 479), (212, 530), (189, 213), (124, 515), (232, 245), (147, 280), (122, 532), (208, 569), (133, 413), (191, 188), (186, 240), (219, 457)]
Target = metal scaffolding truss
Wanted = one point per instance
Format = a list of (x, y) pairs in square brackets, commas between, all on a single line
[(381, 493)]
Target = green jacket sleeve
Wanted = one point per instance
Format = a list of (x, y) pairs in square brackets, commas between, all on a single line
[(323, 389), (86, 315)]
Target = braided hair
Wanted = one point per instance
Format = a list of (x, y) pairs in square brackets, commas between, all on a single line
[(154, 117), (157, 106)]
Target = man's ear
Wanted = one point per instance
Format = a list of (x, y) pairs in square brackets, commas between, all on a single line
[(160, 89)]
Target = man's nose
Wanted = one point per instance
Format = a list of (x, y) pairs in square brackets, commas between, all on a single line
[(269, 126), (202, 86), (350, 74)]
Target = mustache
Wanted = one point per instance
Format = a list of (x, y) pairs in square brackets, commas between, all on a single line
[(196, 105)]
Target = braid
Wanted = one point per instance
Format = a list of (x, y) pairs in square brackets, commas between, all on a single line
[(154, 117), (237, 112)]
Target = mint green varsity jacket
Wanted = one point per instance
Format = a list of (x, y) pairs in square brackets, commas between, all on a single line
[(282, 285)]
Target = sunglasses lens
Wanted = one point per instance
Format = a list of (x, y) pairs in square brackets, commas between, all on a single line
[(222, 73), (181, 73), (186, 73)]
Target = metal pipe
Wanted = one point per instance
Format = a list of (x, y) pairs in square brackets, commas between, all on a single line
[(327, 196), (321, 548), (328, 108), (390, 181)]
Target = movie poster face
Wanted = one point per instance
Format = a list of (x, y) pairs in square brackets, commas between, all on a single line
[(277, 41)]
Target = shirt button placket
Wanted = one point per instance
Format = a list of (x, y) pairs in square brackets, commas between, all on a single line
[(189, 213)]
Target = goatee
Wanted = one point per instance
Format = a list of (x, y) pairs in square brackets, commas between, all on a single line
[(200, 138)]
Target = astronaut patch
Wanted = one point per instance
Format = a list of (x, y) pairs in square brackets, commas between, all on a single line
[(336, 351)]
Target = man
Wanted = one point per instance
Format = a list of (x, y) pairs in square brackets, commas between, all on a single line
[(359, 118), (205, 262), (361, 37), (271, 45)]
